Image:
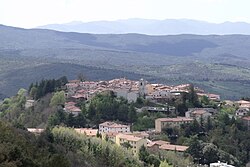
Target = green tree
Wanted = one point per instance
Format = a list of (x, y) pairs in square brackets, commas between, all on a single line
[(33, 92), (164, 164), (210, 153), (70, 120), (143, 154), (132, 115), (195, 149), (58, 160), (122, 113), (58, 99), (58, 118), (193, 98), (127, 145), (153, 160), (204, 100), (208, 124)]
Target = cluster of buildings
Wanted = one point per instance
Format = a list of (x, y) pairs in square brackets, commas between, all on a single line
[(128, 89), (77, 90), (121, 134), (242, 112), (191, 115), (71, 107), (244, 107)]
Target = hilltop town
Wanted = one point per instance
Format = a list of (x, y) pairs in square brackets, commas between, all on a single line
[(142, 117), (158, 99), (129, 90)]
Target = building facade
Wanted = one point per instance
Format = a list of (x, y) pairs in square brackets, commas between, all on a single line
[(135, 142), (161, 123), (220, 164), (107, 127)]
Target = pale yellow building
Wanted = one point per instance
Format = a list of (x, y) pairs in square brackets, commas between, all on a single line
[(87, 131), (161, 123), (135, 142), (35, 130), (110, 136), (139, 134)]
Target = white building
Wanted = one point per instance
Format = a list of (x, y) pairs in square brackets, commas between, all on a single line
[(142, 87), (161, 94), (29, 103), (131, 96), (71, 88), (198, 114), (88, 85), (241, 112), (107, 127), (220, 164)]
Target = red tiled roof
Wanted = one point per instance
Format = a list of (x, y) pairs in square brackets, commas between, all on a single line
[(243, 102), (129, 137), (246, 118), (75, 109), (173, 147), (70, 103), (161, 142), (158, 142), (113, 125), (178, 119), (111, 134), (78, 96), (199, 112)]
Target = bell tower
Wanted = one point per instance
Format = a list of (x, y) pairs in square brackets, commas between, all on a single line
[(142, 87)]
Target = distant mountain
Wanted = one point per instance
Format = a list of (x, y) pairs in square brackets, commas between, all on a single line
[(153, 27), (217, 63)]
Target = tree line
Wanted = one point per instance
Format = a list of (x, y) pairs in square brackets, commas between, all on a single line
[(40, 89)]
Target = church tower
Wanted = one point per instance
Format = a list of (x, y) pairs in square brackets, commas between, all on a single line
[(142, 87)]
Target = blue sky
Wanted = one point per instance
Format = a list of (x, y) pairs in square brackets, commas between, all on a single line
[(32, 13)]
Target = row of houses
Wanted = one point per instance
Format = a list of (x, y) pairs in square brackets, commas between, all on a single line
[(191, 115), (134, 141), (120, 134)]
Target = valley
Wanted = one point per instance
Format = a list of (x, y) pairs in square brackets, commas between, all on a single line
[(216, 63)]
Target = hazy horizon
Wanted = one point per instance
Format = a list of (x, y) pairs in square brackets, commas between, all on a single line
[(79, 21), (30, 13)]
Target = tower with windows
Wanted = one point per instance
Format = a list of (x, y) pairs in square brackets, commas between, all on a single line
[(142, 87)]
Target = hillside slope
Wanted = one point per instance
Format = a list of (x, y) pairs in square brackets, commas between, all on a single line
[(213, 62)]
